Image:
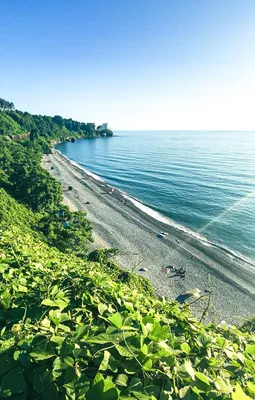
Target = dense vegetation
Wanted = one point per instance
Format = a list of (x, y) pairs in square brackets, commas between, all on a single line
[(14, 122), (73, 325)]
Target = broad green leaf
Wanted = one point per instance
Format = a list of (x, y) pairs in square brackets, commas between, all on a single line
[(239, 394), (165, 395), (43, 355), (113, 365), (3, 331), (204, 340), (42, 379), (82, 385), (51, 393), (142, 396), (158, 332), (202, 377), (152, 390), (121, 380), (184, 391), (116, 320), (123, 351), (6, 363), (6, 299), (66, 348), (82, 331), (23, 357), (135, 385), (54, 316), (57, 339), (222, 386), (22, 289), (54, 290), (102, 338), (102, 308), (61, 364), (105, 361), (64, 328), (185, 348), (13, 382), (250, 348), (102, 389), (147, 365), (70, 376), (48, 302), (240, 357), (251, 387), (188, 367)]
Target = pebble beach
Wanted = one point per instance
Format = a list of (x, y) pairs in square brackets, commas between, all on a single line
[(156, 248)]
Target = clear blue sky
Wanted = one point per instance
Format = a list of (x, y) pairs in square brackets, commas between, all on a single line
[(137, 64)]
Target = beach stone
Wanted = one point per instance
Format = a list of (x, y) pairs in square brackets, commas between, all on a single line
[(143, 269)]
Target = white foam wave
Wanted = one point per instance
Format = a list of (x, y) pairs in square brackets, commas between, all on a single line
[(156, 215), (89, 173), (159, 217)]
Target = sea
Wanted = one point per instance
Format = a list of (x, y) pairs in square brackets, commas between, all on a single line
[(202, 181)]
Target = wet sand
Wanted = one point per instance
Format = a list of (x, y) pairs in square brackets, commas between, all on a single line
[(117, 222)]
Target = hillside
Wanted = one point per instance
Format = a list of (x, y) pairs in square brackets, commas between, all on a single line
[(73, 325), (14, 122)]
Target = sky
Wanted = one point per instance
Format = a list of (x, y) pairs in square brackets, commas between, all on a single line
[(136, 64)]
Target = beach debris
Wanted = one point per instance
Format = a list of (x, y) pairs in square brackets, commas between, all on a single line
[(142, 269), (70, 188), (190, 295), (162, 234), (111, 191), (65, 224), (87, 202), (177, 240)]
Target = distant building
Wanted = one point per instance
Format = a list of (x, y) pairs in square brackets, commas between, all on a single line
[(102, 127)]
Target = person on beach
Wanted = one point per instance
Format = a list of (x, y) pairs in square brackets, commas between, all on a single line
[(182, 273)]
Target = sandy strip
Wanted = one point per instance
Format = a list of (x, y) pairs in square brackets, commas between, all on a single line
[(135, 234)]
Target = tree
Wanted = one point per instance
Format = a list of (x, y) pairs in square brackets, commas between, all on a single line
[(58, 120)]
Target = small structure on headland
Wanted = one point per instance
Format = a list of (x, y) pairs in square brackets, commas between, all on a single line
[(102, 127), (103, 130)]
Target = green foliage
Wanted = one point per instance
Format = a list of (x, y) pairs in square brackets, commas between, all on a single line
[(6, 105), (249, 325), (25, 179), (69, 330), (73, 325), (42, 126), (8, 126), (102, 255), (68, 231)]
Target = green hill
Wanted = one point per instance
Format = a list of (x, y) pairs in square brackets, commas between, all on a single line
[(8, 126), (73, 325)]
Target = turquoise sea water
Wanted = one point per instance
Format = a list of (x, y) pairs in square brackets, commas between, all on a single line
[(204, 181)]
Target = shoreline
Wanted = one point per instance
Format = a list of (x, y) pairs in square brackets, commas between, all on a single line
[(118, 222), (160, 217)]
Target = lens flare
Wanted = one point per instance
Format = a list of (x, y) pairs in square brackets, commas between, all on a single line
[(234, 206)]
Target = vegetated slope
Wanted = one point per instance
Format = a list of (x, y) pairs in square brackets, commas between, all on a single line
[(14, 122), (8, 126), (73, 325), (70, 329)]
